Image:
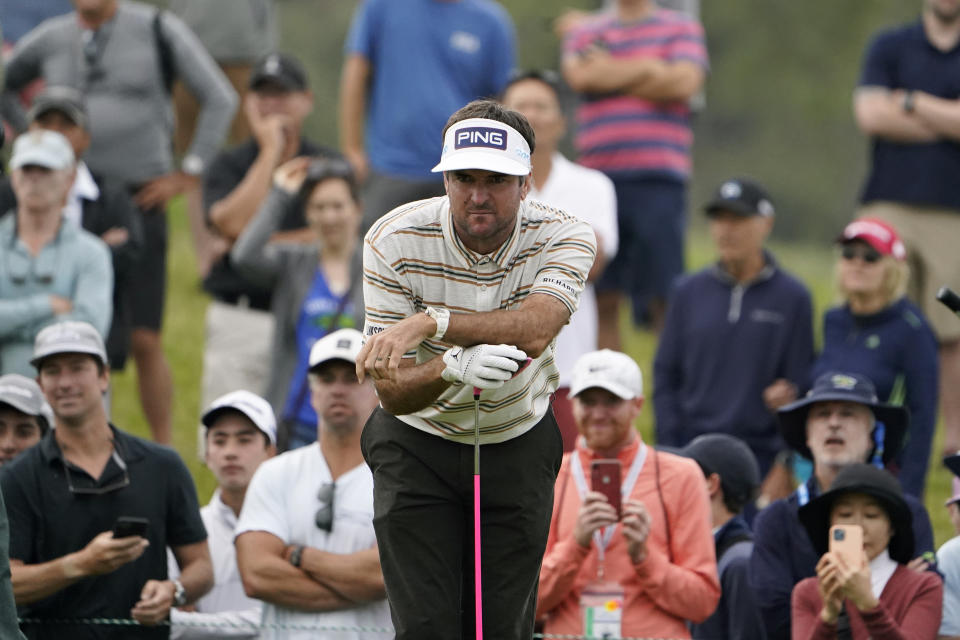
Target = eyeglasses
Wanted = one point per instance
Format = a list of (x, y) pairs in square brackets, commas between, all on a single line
[(324, 517), (98, 491), (867, 254)]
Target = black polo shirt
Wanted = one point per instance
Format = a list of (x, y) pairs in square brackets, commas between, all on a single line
[(223, 175), (49, 519)]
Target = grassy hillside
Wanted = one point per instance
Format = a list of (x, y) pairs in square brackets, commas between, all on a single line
[(184, 335)]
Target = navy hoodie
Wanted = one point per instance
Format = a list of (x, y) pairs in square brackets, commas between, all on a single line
[(722, 344), (737, 614)]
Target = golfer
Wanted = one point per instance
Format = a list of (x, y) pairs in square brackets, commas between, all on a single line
[(460, 292)]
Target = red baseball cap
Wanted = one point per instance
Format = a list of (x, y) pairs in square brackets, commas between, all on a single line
[(878, 234)]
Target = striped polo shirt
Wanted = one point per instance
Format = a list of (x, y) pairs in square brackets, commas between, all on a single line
[(412, 259), (627, 136)]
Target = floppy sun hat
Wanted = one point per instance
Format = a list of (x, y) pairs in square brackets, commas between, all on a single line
[(843, 387)]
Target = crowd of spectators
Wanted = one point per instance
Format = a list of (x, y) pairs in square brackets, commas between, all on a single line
[(763, 444)]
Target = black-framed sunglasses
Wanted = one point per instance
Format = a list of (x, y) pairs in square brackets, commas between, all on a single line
[(324, 517), (97, 491), (867, 254)]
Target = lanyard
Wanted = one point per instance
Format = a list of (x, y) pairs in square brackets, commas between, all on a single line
[(803, 494), (603, 541)]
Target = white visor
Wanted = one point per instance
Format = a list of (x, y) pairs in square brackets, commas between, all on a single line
[(479, 143)]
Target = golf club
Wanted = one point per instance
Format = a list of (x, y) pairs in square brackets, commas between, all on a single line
[(949, 299), (476, 512)]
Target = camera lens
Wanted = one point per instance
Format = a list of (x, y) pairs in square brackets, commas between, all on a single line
[(838, 534)]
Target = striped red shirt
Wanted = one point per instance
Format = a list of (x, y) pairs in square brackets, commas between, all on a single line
[(628, 136)]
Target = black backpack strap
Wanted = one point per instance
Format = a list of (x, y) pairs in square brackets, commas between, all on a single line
[(164, 52)]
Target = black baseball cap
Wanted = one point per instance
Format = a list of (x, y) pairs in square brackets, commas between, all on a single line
[(742, 196), (728, 457), (66, 100), (843, 387), (279, 70)]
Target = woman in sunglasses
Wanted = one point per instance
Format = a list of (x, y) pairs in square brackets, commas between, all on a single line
[(878, 333), (316, 286)]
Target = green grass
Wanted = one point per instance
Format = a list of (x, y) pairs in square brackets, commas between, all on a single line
[(184, 335)]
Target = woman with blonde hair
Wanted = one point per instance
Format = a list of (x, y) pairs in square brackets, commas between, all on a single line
[(880, 334)]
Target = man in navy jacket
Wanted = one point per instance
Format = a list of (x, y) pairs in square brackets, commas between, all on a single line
[(738, 340)]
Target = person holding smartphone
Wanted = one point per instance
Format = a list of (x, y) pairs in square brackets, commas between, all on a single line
[(868, 592), (656, 559), (840, 422), (68, 496)]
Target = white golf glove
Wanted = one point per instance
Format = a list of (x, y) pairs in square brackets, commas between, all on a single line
[(486, 366)]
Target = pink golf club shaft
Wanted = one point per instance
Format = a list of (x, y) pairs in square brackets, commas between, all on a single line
[(476, 513)]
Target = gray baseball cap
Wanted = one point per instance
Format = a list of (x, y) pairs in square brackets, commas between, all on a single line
[(21, 393), (68, 337), (66, 100)]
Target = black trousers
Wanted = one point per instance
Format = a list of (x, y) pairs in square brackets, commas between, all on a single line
[(423, 517)]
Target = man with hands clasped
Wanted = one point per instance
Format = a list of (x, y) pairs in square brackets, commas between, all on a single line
[(643, 574)]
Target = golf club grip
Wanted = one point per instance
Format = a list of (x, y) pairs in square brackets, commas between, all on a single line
[(949, 299)]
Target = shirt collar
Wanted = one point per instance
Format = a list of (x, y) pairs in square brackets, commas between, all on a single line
[(84, 186), (126, 445), (224, 512), (881, 570), (769, 269), (558, 172), (624, 455)]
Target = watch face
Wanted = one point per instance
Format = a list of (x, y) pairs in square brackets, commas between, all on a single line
[(192, 165)]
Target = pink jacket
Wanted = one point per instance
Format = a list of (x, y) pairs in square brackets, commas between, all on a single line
[(660, 592)]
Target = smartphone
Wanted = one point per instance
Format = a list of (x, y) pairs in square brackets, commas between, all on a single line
[(127, 526), (846, 540), (605, 479)]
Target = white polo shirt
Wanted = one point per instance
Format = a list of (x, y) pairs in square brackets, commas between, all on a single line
[(589, 195), (227, 598), (282, 499), (412, 259)]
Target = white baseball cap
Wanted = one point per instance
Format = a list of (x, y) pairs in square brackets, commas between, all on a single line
[(611, 370), (249, 404), (481, 143), (42, 148), (22, 393), (343, 344), (68, 337)]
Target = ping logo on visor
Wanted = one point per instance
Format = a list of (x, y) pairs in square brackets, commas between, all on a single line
[(480, 137)]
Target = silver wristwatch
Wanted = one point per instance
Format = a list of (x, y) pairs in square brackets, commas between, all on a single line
[(179, 594), (442, 317)]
